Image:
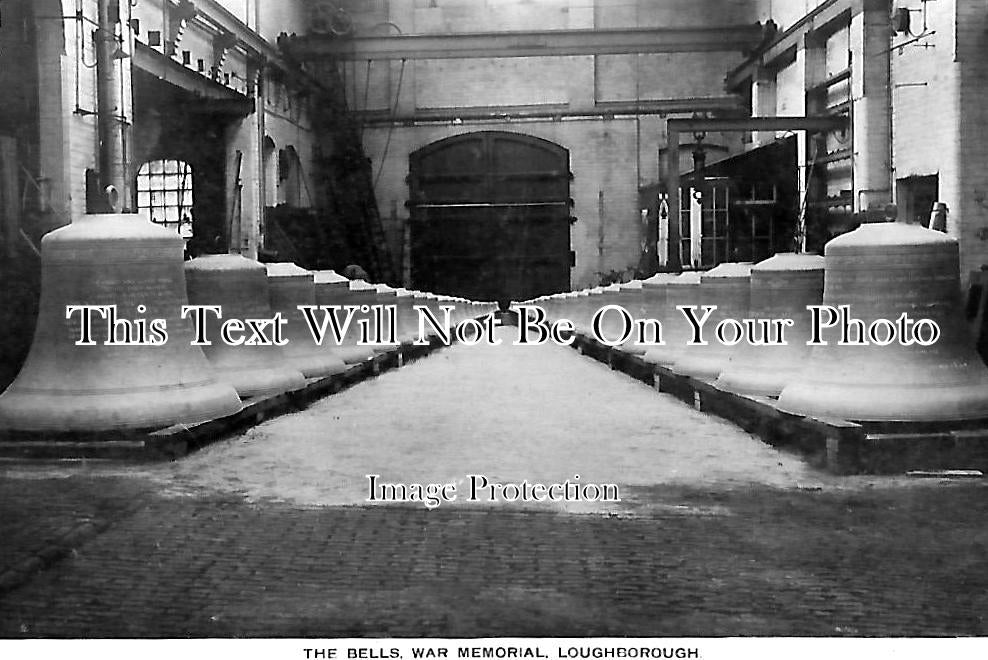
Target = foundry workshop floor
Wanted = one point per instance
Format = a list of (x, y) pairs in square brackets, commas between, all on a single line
[(267, 534)]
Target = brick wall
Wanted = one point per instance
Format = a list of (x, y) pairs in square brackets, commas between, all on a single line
[(939, 101), (598, 159), (78, 100), (608, 157), (285, 122), (969, 212), (936, 116)]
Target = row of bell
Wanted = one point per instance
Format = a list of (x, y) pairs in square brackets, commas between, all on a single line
[(125, 260), (879, 270)]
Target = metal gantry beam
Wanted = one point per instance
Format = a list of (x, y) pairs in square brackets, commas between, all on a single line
[(535, 43), (555, 111), (734, 124), (676, 126)]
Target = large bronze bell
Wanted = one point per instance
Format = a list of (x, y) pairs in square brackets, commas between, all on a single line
[(554, 306), (610, 322), (573, 307), (726, 287), (653, 303), (456, 315), (126, 261), (290, 286), (239, 286), (431, 302), (387, 298), (334, 289), (632, 298), (365, 294), (781, 288), (882, 271), (408, 317), (683, 290), (589, 305)]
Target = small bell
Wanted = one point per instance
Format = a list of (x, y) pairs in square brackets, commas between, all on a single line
[(684, 289), (290, 286), (239, 286), (726, 287), (781, 288)]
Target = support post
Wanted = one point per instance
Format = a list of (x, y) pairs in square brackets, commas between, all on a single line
[(672, 189)]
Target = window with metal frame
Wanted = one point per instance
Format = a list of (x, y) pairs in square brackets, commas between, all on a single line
[(164, 188)]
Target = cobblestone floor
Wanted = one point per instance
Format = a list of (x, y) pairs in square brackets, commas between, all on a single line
[(752, 561), (244, 539), (512, 413)]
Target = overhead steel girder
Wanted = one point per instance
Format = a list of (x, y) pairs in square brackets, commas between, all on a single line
[(725, 38), (552, 111), (826, 123)]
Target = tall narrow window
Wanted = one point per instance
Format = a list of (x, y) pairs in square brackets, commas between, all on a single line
[(164, 187)]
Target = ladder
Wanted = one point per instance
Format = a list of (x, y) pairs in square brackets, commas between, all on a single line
[(354, 202)]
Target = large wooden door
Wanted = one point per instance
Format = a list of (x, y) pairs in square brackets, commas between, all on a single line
[(490, 215)]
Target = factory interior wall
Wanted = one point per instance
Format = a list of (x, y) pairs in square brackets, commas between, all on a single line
[(287, 177), (273, 18), (970, 210), (69, 143), (610, 158), (169, 126), (606, 236), (287, 124), (34, 62), (940, 93)]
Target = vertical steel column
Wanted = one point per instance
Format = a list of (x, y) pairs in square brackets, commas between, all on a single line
[(672, 189), (110, 139)]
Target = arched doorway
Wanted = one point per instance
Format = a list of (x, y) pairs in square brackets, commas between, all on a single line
[(290, 190), (490, 214), (269, 167)]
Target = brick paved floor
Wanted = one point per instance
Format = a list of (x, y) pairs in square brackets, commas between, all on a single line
[(751, 561), (42, 514), (536, 413)]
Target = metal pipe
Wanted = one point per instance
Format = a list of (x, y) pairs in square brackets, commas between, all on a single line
[(105, 39)]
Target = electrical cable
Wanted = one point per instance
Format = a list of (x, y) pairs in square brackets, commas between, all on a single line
[(391, 127), (366, 95)]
